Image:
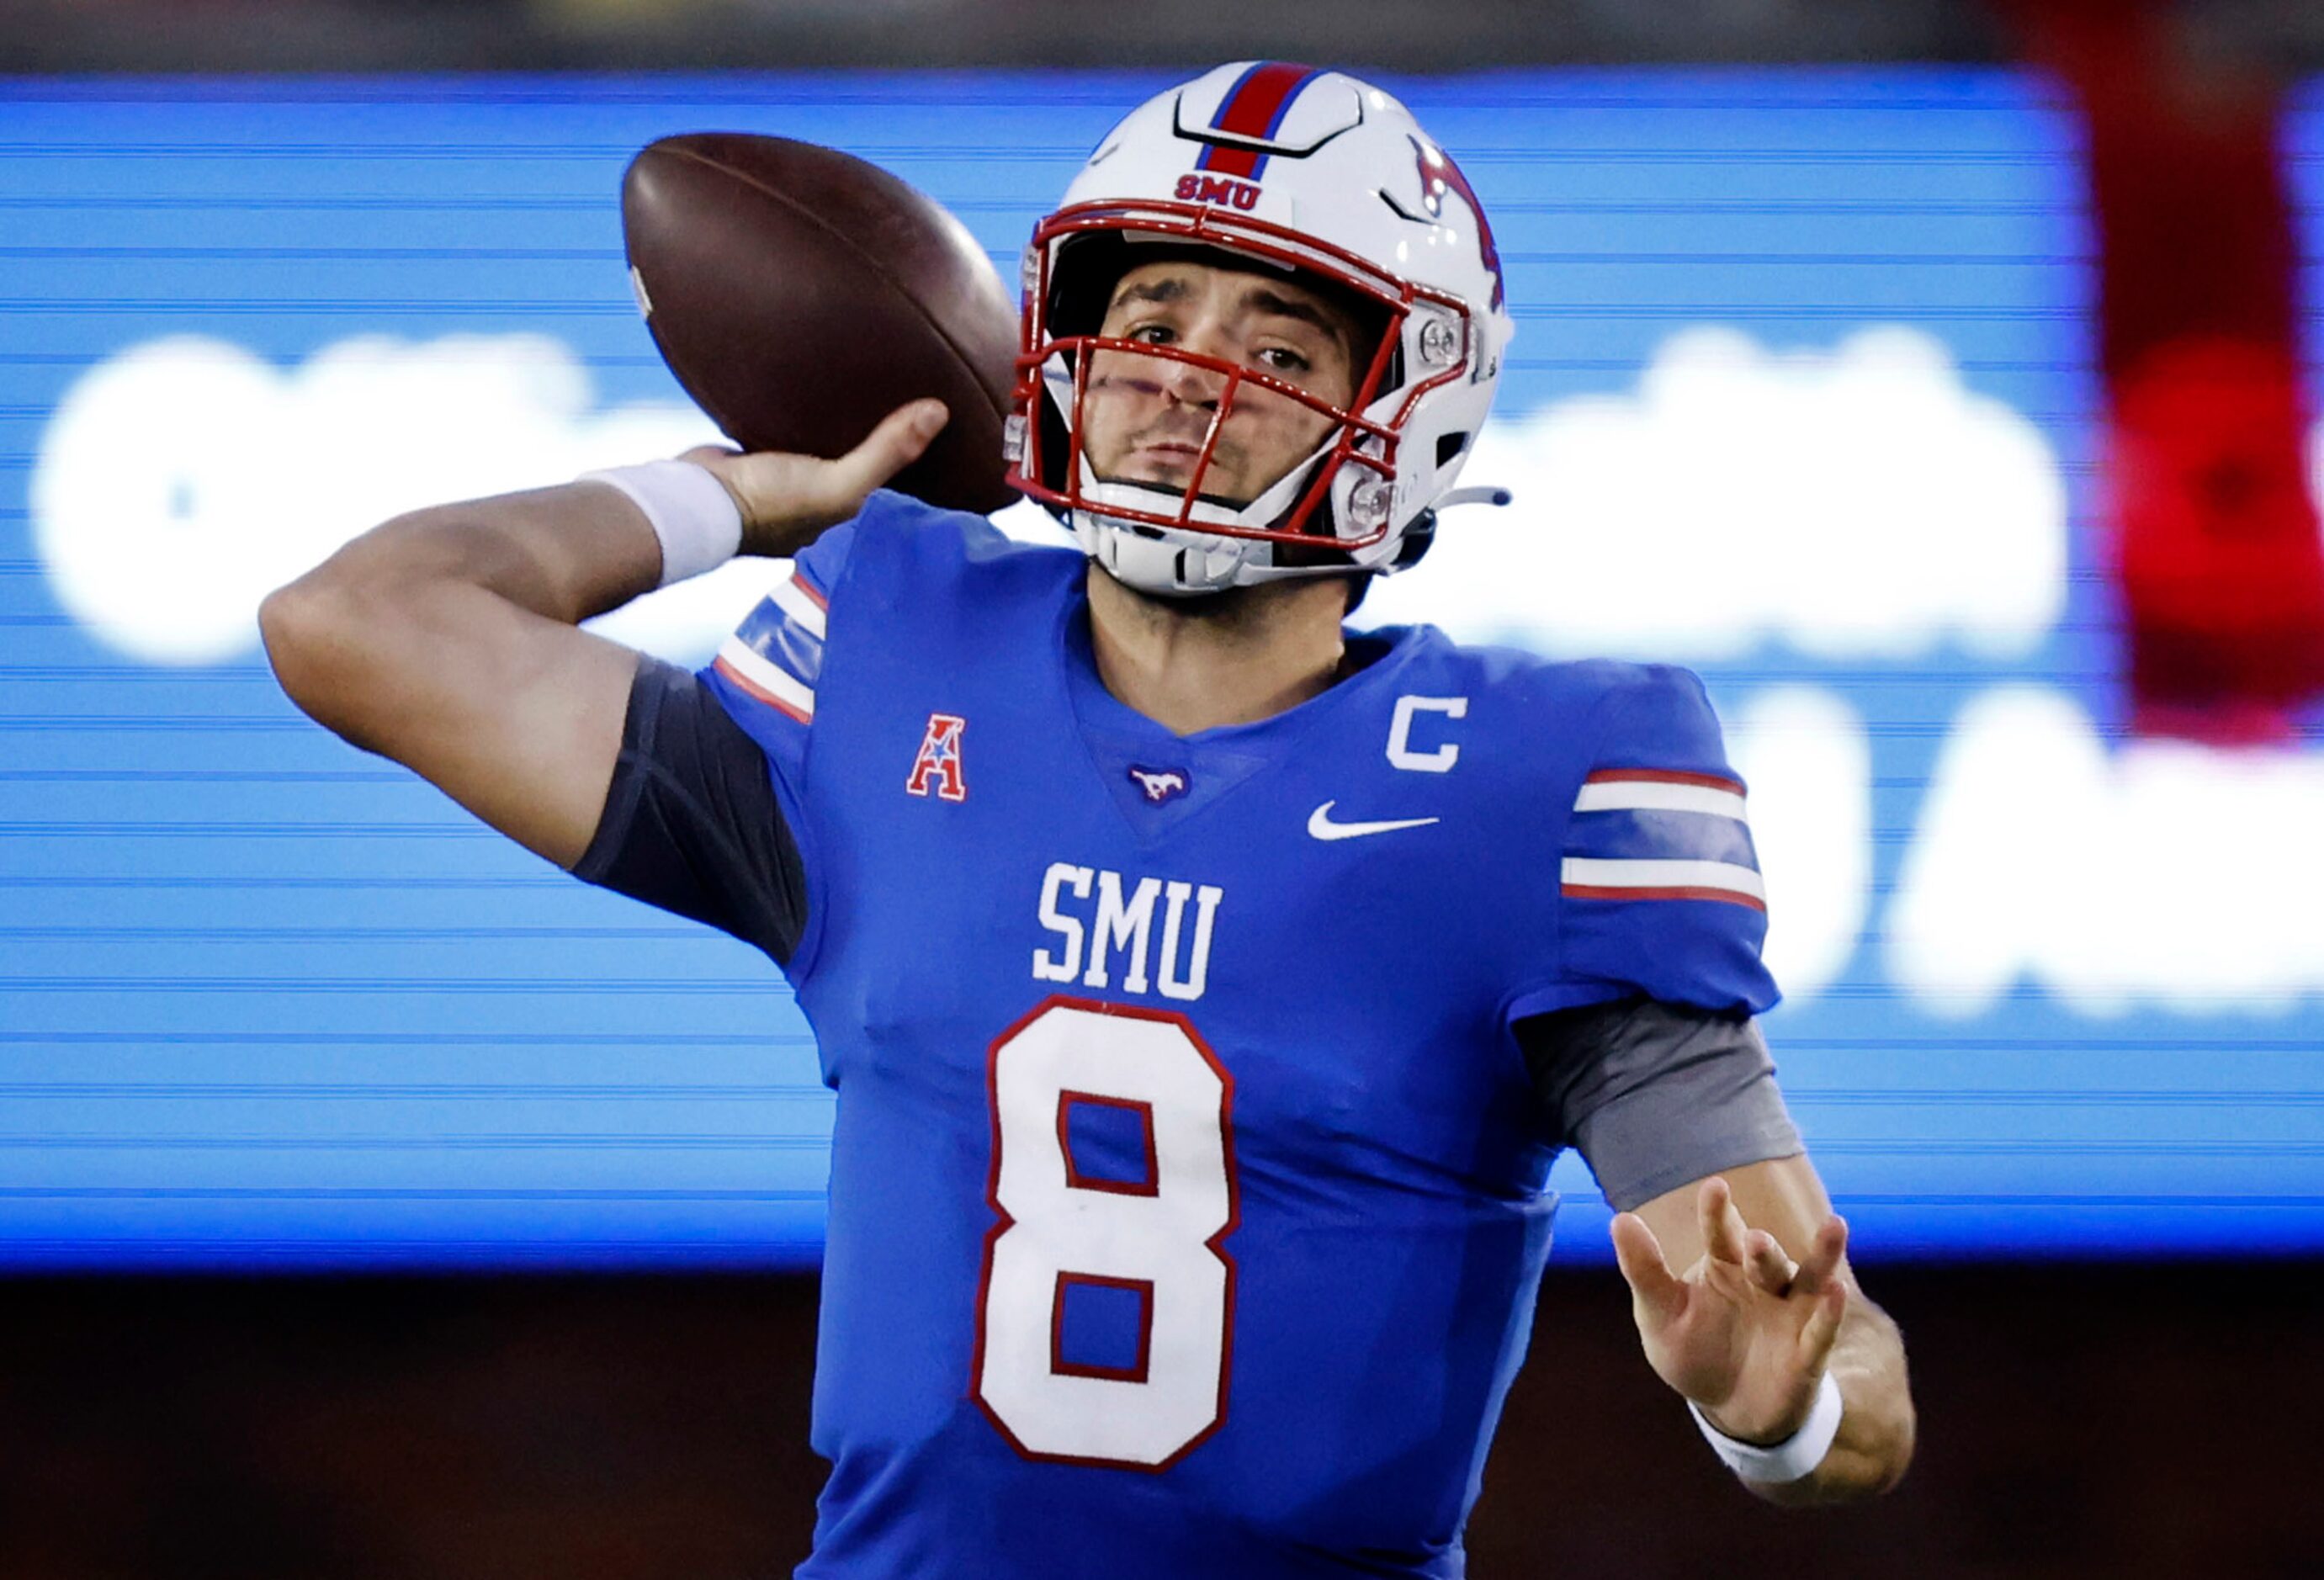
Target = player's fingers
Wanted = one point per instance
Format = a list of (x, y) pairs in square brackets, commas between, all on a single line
[(1822, 1263), (1771, 1268), (1640, 1257), (1822, 1327), (893, 446), (1723, 1227)]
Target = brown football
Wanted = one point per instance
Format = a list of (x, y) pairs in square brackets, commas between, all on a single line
[(800, 295)]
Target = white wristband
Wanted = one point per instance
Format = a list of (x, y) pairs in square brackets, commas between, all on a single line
[(1793, 1457), (697, 521)]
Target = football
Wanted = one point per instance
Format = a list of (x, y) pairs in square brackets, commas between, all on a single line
[(799, 295)]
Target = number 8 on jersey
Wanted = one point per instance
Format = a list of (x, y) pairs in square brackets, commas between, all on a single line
[(1158, 1237)]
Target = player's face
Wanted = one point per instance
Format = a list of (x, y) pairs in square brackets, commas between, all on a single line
[(1145, 418)]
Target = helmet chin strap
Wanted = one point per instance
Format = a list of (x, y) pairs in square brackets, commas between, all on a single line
[(1186, 563), (1169, 567)]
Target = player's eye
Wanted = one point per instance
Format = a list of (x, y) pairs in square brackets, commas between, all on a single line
[(1151, 334), (1282, 359)]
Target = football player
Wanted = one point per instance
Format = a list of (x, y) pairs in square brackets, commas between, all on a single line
[(1207, 989)]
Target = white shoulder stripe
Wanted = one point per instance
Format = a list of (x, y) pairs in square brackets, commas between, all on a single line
[(804, 610), (770, 680), (1650, 796), (1589, 872)]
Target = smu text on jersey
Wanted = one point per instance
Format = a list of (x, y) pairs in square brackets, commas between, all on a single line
[(1117, 927)]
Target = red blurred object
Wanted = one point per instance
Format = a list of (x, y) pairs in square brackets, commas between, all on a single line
[(2214, 534), (2217, 545)]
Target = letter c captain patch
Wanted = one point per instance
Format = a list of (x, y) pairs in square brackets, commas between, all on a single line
[(938, 762)]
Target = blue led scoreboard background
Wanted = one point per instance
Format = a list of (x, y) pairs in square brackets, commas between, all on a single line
[(1803, 396)]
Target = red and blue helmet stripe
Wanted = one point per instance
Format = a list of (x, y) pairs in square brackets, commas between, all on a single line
[(1254, 107)]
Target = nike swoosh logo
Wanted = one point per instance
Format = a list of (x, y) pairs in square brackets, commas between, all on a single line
[(1320, 824)]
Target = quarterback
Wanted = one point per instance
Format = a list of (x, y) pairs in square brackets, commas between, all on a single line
[(1207, 989)]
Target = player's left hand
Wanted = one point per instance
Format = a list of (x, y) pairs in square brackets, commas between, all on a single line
[(1746, 1332)]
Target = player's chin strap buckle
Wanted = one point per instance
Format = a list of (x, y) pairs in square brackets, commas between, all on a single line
[(1472, 496)]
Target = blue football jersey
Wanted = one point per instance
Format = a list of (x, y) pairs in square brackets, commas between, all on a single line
[(1187, 1192)]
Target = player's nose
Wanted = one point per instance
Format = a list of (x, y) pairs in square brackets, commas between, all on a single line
[(1196, 383)]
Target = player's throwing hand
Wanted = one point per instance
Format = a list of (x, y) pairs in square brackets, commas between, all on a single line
[(787, 500), (1746, 1332)]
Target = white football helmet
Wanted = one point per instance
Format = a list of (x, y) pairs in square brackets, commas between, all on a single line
[(1314, 173)]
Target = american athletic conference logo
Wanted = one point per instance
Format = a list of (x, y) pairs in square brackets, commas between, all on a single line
[(938, 766)]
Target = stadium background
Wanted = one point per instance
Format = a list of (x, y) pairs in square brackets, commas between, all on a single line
[(1814, 309)]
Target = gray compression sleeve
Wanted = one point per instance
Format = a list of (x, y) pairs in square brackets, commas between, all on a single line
[(691, 823), (1657, 1095)]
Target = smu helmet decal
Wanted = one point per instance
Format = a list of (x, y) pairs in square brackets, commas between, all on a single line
[(1437, 173)]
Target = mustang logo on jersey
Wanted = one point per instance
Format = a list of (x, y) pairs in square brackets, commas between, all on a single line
[(1160, 784), (938, 762), (1119, 928)]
